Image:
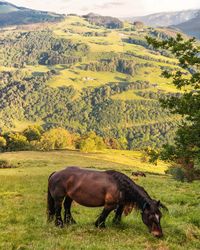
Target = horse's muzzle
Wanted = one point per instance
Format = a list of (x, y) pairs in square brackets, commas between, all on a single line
[(157, 234)]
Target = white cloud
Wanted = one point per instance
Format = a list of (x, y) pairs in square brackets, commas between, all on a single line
[(109, 7)]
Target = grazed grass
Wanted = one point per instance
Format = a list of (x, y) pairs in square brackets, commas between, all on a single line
[(23, 205)]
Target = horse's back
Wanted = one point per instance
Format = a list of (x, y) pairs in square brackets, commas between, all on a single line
[(93, 185)]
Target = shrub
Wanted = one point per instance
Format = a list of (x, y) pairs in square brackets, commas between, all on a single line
[(112, 143), (2, 143), (5, 164), (90, 142), (177, 172), (17, 142), (87, 145), (33, 133), (56, 138)]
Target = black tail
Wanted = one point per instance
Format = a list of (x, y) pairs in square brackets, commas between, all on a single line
[(50, 204)]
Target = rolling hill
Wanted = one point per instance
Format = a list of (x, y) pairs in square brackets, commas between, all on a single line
[(86, 76), (14, 15), (167, 18)]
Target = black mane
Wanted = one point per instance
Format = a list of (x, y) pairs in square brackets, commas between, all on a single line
[(132, 192)]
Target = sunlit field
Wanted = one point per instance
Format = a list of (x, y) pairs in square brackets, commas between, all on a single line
[(23, 205)]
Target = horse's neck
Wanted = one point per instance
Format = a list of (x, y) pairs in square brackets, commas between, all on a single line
[(139, 196)]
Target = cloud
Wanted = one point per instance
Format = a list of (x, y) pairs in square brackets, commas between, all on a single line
[(109, 5)]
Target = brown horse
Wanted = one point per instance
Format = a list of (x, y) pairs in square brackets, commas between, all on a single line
[(90, 188)]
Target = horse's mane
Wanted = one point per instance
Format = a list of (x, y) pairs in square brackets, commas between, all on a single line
[(132, 192)]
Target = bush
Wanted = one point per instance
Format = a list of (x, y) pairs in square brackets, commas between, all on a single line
[(17, 142), (33, 133), (2, 143), (90, 142), (57, 138), (5, 164), (112, 143), (177, 172), (87, 145)]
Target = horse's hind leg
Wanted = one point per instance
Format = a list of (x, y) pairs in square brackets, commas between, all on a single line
[(58, 208), (68, 219), (118, 214)]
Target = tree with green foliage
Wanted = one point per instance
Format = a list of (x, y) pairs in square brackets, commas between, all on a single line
[(186, 148), (56, 138), (90, 142), (33, 133), (2, 143), (17, 142)]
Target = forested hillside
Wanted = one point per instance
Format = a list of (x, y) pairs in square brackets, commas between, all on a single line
[(11, 14), (86, 76)]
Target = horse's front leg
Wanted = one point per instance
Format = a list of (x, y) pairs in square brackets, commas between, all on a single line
[(68, 219), (100, 222), (58, 208), (118, 214)]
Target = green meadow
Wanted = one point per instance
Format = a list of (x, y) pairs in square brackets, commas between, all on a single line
[(23, 191)]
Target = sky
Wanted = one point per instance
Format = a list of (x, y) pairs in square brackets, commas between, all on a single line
[(118, 8)]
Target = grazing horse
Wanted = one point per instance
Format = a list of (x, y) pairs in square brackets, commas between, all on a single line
[(91, 188), (139, 173)]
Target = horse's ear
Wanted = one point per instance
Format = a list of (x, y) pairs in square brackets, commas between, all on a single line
[(158, 203)]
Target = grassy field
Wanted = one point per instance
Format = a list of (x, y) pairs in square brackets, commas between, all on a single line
[(23, 206), (74, 27)]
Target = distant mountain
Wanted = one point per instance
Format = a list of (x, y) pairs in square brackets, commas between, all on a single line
[(167, 18), (13, 15), (191, 27)]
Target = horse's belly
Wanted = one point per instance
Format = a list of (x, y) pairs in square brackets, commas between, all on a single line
[(91, 189), (88, 198)]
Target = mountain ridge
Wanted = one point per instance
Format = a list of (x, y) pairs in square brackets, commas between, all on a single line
[(166, 18), (190, 27), (11, 14)]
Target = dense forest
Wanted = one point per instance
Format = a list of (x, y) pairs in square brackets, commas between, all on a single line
[(135, 122), (32, 99)]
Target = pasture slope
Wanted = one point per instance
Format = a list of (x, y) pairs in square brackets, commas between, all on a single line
[(23, 206)]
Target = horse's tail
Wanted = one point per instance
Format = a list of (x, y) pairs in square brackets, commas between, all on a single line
[(50, 204)]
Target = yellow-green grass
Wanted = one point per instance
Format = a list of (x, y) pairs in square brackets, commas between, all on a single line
[(81, 79), (30, 69), (140, 50), (130, 160), (23, 206), (127, 95), (4, 68)]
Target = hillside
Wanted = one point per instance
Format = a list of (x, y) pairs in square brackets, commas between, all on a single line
[(190, 27), (166, 18), (82, 76), (14, 15)]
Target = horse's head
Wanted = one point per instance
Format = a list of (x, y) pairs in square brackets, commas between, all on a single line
[(151, 217)]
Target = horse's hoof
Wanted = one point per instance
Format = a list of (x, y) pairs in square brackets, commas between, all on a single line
[(100, 225), (50, 219), (72, 221), (59, 224), (116, 222)]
